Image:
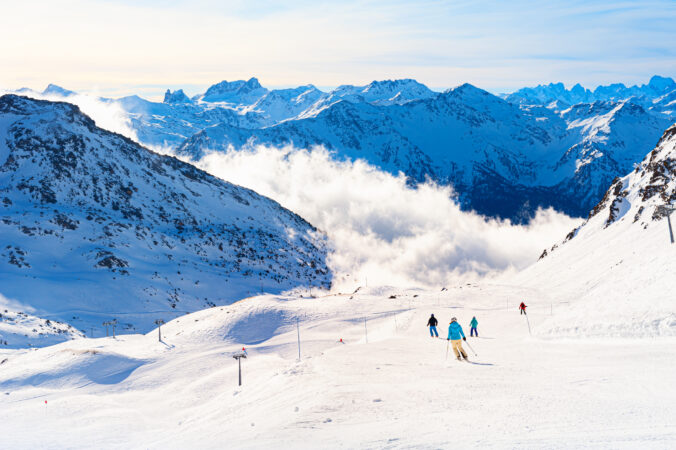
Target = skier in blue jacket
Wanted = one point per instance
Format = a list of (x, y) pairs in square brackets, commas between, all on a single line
[(455, 334)]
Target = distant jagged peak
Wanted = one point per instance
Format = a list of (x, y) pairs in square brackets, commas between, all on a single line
[(227, 86), (383, 92), (546, 93), (177, 96), (235, 91), (53, 89), (470, 94), (403, 83), (467, 89), (661, 84)]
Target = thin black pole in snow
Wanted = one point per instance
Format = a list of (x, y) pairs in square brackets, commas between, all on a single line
[(528, 322), (298, 330), (470, 347), (366, 332)]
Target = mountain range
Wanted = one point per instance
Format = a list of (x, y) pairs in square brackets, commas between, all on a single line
[(506, 156)]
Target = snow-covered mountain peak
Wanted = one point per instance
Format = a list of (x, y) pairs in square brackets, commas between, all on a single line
[(468, 93), (643, 193), (177, 96), (236, 92), (661, 84), (53, 89), (404, 89), (384, 92)]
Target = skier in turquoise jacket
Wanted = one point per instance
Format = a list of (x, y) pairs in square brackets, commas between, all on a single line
[(455, 334), (472, 327)]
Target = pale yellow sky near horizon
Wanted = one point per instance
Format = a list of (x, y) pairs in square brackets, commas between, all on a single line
[(119, 47)]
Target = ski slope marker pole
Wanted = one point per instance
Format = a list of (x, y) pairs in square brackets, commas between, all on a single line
[(366, 332), (298, 330), (528, 322), (470, 347)]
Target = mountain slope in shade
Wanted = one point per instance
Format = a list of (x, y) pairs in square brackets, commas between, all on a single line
[(94, 226), (619, 265)]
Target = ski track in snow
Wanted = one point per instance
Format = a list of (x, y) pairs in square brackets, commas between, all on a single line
[(390, 387)]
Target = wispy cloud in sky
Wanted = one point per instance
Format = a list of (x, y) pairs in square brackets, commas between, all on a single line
[(497, 45)]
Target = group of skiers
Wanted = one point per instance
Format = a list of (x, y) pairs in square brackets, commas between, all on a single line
[(455, 333)]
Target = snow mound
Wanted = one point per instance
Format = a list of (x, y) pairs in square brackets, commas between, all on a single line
[(69, 368)]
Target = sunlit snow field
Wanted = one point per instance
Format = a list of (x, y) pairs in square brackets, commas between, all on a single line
[(387, 385)]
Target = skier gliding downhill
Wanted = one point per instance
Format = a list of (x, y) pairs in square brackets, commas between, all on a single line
[(455, 333), (432, 323)]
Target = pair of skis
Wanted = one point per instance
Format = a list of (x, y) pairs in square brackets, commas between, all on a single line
[(470, 347)]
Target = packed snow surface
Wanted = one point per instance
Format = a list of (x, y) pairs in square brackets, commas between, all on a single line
[(388, 384)]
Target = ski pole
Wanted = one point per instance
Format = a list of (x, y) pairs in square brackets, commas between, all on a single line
[(528, 322), (470, 347), (447, 343)]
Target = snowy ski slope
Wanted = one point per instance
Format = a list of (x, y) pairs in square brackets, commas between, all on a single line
[(387, 385)]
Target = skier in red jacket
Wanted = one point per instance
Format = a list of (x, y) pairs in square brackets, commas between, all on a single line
[(522, 308)]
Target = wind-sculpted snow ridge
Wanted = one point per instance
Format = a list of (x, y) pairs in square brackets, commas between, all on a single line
[(619, 263), (95, 227), (502, 159)]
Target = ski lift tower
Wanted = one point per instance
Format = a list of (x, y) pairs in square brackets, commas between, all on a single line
[(667, 210), (238, 356)]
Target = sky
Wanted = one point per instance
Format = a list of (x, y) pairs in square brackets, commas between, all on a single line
[(122, 47)]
